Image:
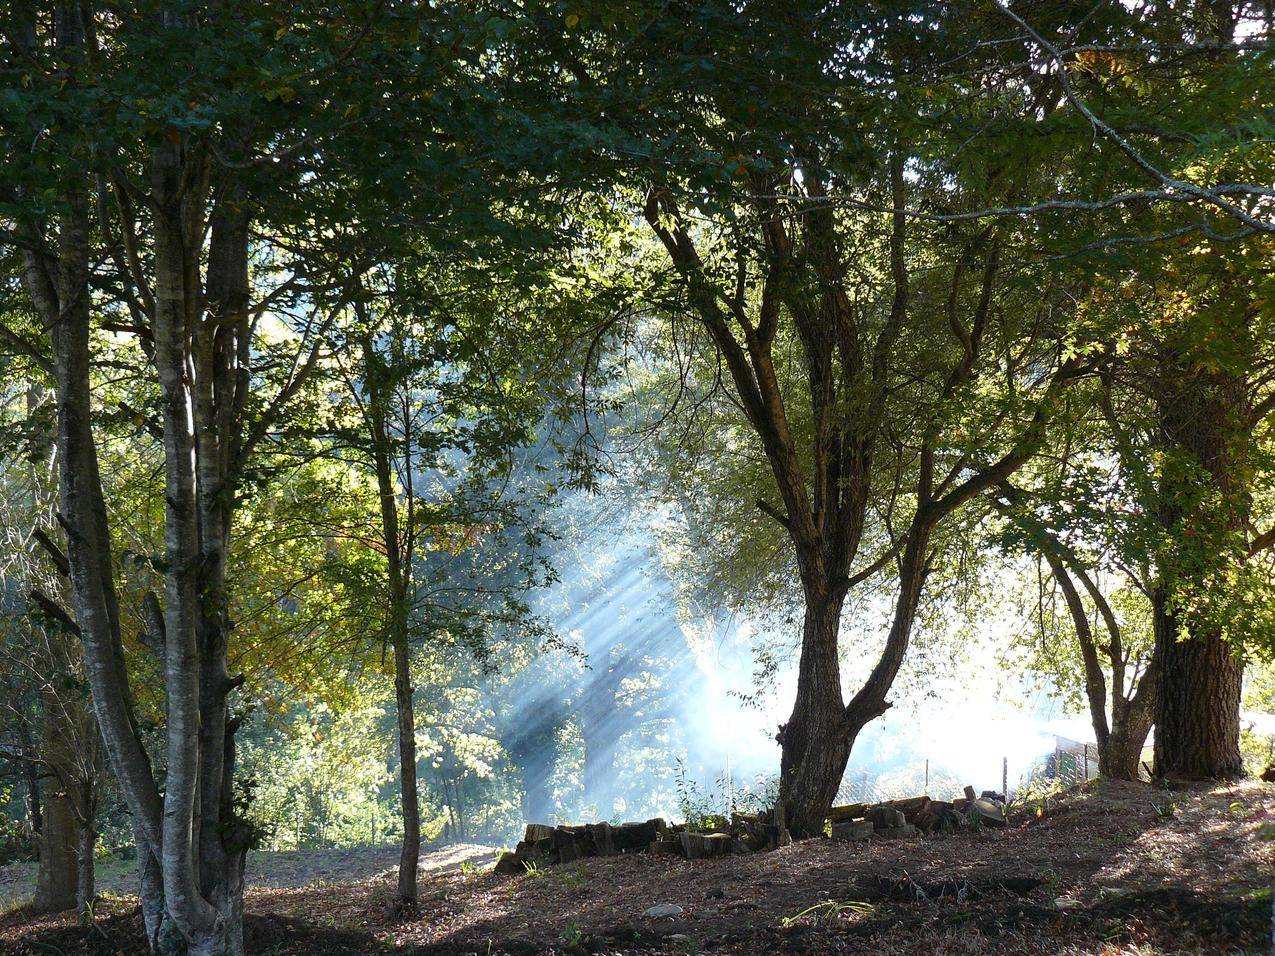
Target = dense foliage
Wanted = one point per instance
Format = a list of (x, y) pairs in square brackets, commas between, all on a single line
[(406, 406)]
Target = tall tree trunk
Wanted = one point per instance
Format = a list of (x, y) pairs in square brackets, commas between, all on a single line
[(1203, 510), (62, 729), (58, 284), (85, 870), (398, 558)]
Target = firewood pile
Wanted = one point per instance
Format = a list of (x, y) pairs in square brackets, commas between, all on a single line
[(544, 845), (907, 817)]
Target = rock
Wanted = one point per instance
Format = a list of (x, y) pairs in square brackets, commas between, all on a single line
[(661, 910), (910, 806), (756, 837), (851, 832), (986, 812), (939, 817), (568, 846), (603, 838)]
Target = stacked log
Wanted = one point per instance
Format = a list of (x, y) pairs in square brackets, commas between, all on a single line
[(900, 818), (544, 845)]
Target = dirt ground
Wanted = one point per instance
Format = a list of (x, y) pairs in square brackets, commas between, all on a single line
[(1111, 868)]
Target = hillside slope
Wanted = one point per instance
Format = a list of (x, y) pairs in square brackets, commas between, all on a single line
[(1108, 868)]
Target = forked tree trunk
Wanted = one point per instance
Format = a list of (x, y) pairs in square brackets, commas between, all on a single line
[(816, 740), (1120, 740), (825, 488), (1120, 758), (1131, 717)]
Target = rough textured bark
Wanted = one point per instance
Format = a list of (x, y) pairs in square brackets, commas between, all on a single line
[(1197, 716), (1202, 497), (816, 739), (1121, 758)]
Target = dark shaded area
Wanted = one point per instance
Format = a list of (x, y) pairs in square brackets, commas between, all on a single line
[(998, 912), (263, 934)]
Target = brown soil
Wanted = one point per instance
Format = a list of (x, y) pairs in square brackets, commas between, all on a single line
[(1111, 868)]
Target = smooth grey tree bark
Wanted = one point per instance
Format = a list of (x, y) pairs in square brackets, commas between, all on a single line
[(190, 299)]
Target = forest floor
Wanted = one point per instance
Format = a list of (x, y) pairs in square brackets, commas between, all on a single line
[(1109, 868)]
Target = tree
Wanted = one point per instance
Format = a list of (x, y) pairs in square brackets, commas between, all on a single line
[(1189, 402), (57, 734), (1114, 668), (1187, 391), (167, 191), (442, 399), (852, 344)]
